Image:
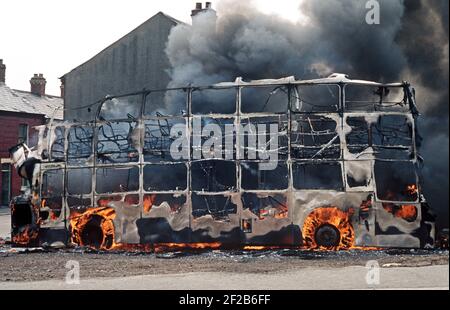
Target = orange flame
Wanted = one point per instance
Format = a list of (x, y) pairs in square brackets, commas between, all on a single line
[(94, 228), (329, 216), (149, 200), (412, 189), (406, 212), (26, 237), (261, 248), (53, 216), (162, 247), (104, 202), (86, 227), (282, 212)]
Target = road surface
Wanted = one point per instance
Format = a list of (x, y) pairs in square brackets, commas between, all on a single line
[(222, 270), (433, 277)]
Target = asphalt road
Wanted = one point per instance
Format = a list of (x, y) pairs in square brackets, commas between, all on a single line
[(349, 278), (313, 276)]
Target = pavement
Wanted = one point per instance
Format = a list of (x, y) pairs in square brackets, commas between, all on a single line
[(349, 278), (5, 223)]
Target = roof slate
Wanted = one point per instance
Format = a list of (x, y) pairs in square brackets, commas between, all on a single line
[(20, 101)]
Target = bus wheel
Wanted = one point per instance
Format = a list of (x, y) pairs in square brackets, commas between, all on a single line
[(327, 236), (328, 228)]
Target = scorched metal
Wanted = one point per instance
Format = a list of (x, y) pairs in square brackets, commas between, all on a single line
[(344, 169)]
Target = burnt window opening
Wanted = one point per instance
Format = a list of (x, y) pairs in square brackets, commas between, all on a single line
[(120, 108), (165, 177), (50, 215), (213, 176), (254, 178), (273, 99), (132, 200), (116, 143), (274, 206), (52, 183), (396, 181), (52, 189), (79, 181), (103, 201), (263, 138), (160, 135), (315, 98), (117, 180), (393, 137), (359, 173), (352, 182), (174, 202), (45, 154), (359, 138), (54, 203), (217, 206), (213, 138), (317, 176), (214, 101), (57, 150), (315, 137), (368, 98), (44, 215), (166, 103), (80, 144), (22, 215), (79, 203)]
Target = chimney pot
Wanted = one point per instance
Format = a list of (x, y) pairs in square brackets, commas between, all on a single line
[(199, 9), (2, 71), (38, 83)]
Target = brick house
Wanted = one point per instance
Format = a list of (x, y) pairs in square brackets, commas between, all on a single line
[(20, 112)]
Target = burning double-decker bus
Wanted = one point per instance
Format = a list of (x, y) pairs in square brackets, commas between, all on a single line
[(321, 164)]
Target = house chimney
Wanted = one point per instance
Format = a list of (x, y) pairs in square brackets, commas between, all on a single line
[(38, 84), (207, 9), (198, 9), (2, 72)]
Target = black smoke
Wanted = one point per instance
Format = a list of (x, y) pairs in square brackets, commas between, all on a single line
[(410, 43)]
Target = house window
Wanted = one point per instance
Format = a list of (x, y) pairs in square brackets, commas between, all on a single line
[(25, 183), (23, 134)]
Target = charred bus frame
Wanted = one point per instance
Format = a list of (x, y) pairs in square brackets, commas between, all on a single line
[(348, 172)]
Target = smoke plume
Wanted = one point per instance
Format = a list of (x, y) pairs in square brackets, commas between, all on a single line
[(410, 43)]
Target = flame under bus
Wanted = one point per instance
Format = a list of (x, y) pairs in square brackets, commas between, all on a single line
[(347, 173)]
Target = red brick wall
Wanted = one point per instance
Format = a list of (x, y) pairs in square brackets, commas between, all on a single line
[(9, 134)]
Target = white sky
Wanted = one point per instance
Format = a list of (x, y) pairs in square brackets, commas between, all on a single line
[(54, 36)]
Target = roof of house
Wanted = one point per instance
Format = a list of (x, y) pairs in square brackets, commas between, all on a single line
[(20, 101), (158, 15)]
